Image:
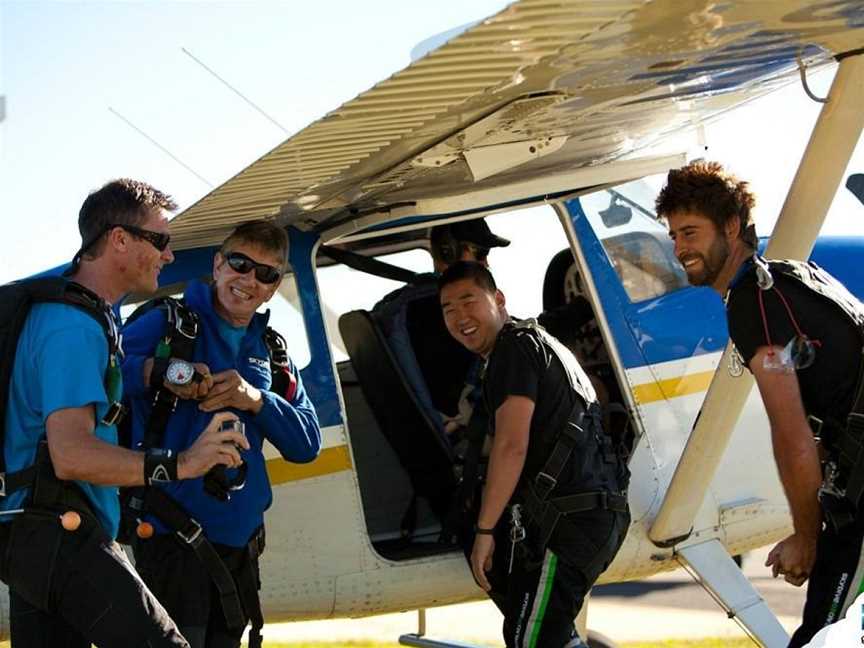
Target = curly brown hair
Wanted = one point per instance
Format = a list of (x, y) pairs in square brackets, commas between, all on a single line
[(705, 187)]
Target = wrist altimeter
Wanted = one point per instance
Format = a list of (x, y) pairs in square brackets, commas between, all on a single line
[(181, 372)]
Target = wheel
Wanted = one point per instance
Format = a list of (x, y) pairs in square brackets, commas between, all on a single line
[(597, 640)]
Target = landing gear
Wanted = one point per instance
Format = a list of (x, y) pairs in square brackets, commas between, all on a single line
[(597, 640)]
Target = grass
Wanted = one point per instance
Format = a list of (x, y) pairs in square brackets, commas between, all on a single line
[(675, 643), (694, 643)]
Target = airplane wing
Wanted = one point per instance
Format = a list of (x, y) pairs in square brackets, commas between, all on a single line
[(522, 100), (538, 101)]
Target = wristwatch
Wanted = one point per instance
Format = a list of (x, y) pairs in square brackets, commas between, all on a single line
[(180, 372)]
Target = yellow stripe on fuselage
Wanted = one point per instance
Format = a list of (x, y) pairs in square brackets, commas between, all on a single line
[(672, 387), (337, 458), (330, 460)]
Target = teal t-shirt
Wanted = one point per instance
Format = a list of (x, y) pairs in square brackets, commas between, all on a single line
[(60, 363), (233, 335)]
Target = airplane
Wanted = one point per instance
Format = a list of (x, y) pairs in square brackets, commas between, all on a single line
[(545, 113)]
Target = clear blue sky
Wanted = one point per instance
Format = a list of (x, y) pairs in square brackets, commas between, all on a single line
[(63, 64)]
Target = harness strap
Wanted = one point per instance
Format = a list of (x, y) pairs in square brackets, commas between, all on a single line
[(250, 585), (283, 382), (179, 341), (172, 515), (12, 482), (546, 480), (547, 513)]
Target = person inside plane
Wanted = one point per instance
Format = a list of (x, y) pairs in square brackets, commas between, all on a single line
[(184, 360), (554, 507), (439, 370), (800, 333)]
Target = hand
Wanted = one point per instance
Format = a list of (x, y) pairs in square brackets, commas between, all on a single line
[(212, 448), (793, 558), (481, 559), (451, 424), (230, 390), (196, 389)]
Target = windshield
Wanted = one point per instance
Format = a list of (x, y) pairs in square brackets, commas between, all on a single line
[(638, 246)]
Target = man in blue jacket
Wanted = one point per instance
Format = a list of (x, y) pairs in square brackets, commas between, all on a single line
[(232, 370)]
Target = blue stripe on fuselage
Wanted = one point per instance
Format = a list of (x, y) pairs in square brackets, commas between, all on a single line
[(690, 321)]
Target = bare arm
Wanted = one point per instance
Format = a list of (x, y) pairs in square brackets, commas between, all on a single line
[(77, 453), (509, 448), (797, 460)]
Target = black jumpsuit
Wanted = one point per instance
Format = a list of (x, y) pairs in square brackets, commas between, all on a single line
[(827, 391), (544, 590)]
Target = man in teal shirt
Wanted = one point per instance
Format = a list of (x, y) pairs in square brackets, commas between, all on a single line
[(70, 583)]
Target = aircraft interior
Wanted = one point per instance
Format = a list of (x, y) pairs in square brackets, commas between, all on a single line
[(409, 472)]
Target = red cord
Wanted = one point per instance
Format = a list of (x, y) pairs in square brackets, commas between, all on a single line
[(792, 319)]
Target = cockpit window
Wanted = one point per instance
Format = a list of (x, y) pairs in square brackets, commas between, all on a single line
[(638, 246)]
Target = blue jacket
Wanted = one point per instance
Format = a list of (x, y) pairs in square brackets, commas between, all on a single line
[(292, 427)]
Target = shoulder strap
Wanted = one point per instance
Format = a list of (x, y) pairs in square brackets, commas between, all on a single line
[(824, 285), (16, 301), (181, 333), (283, 382)]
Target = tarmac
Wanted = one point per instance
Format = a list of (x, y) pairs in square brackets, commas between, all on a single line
[(666, 606)]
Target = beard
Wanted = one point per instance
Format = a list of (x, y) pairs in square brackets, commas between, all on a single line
[(712, 263)]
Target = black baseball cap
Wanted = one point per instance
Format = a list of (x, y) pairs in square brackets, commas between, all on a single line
[(478, 233)]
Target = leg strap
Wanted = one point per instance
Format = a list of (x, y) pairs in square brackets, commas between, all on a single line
[(547, 513), (172, 515)]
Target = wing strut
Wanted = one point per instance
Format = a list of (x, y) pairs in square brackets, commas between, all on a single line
[(819, 175)]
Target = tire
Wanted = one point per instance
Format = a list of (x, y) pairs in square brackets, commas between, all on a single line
[(597, 640)]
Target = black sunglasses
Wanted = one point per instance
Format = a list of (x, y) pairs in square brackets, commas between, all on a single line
[(158, 240), (241, 263)]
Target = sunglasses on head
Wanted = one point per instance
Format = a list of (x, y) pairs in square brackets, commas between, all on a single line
[(242, 264), (158, 240)]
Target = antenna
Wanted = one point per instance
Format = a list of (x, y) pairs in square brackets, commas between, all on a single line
[(236, 91), (163, 149)]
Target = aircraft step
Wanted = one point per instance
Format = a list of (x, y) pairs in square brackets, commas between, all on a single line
[(420, 639), (414, 639)]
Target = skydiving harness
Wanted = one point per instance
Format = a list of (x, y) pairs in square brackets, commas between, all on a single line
[(179, 342), (16, 300), (583, 434), (843, 483), (546, 512)]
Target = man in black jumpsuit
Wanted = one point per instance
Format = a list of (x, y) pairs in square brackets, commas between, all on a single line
[(554, 503), (800, 333)]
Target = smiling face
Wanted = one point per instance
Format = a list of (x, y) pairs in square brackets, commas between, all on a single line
[(145, 261), (701, 248), (238, 296), (473, 316)]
